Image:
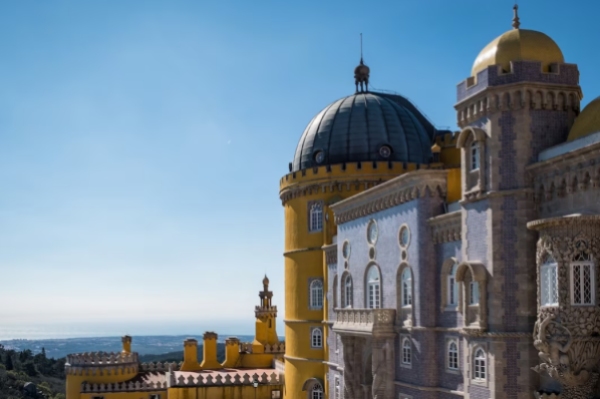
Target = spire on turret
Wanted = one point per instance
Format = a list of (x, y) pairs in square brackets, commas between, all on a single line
[(361, 73), (265, 295), (515, 22)]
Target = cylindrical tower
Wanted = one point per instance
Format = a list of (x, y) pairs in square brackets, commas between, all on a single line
[(355, 143)]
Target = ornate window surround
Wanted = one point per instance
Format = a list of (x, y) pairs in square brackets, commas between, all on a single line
[(449, 368), (544, 268), (581, 265), (316, 338), (479, 275), (404, 313), (406, 352), (445, 285), (379, 300), (472, 357), (313, 302), (473, 180), (316, 212), (346, 302)]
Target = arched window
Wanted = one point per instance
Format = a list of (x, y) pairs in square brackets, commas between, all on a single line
[(452, 355), (406, 287), (583, 278), (373, 288), (316, 392), (474, 155), (549, 282), (406, 351), (316, 217), (335, 292), (479, 365), (316, 338), (452, 288), (348, 292), (316, 294), (473, 293)]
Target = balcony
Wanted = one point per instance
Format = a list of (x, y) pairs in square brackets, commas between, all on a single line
[(364, 322)]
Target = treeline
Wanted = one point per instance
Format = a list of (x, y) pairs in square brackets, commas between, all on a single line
[(19, 368)]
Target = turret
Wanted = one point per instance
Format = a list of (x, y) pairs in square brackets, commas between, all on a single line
[(266, 314), (126, 341)]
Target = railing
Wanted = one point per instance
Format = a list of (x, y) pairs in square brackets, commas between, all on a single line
[(96, 359), (363, 320), (158, 366), (125, 386), (245, 379)]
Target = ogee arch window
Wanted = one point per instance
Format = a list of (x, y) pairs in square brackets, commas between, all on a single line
[(315, 217), (316, 392), (316, 338), (406, 351), (479, 363), (453, 355)]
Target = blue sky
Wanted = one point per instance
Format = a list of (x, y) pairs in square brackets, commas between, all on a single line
[(142, 142)]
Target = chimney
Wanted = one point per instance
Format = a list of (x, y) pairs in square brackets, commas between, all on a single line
[(126, 341), (190, 355), (210, 351), (232, 352)]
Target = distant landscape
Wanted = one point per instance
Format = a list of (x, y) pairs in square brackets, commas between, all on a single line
[(144, 345)]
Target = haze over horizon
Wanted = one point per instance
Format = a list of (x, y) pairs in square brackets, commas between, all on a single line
[(142, 143)]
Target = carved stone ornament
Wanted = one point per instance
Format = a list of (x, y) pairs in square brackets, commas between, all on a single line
[(567, 336)]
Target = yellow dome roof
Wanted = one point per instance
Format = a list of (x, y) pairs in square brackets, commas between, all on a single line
[(587, 122), (518, 45)]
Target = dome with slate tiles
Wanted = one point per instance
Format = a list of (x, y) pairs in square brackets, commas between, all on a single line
[(363, 127)]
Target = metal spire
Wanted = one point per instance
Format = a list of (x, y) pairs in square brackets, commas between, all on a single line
[(515, 22)]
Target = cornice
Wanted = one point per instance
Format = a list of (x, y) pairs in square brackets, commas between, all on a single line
[(405, 188), (542, 224), (446, 227), (330, 254)]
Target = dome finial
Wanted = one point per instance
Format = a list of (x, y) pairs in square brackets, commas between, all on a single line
[(361, 73), (515, 22)]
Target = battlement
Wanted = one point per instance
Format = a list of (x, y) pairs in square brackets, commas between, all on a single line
[(246, 347), (97, 359), (158, 366), (124, 387), (230, 377), (520, 72), (260, 311)]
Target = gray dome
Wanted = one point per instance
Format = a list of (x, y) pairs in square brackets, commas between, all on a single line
[(365, 127)]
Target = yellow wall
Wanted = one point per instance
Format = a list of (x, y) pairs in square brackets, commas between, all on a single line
[(73, 382), (224, 392), (125, 395)]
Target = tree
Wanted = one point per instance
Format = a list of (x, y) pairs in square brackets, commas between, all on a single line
[(9, 363), (29, 368)]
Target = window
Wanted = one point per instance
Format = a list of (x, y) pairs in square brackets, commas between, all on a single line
[(406, 287), (583, 280), (479, 365), (453, 355), (337, 389), (348, 292), (474, 155), (549, 282), (316, 339), (316, 217), (335, 291), (316, 392), (406, 351), (452, 287), (473, 293), (373, 288), (316, 294)]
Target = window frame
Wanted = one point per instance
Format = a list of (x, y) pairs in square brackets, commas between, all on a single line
[(480, 365), (315, 216), (316, 391), (452, 287), (406, 352), (452, 357), (315, 299), (549, 271), (592, 273), (406, 288), (373, 289), (474, 156), (474, 293), (314, 333)]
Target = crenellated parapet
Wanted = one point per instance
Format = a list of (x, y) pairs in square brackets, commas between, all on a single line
[(263, 312), (275, 348), (343, 177), (223, 379), (124, 387), (102, 363)]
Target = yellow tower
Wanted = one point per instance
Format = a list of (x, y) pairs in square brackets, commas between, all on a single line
[(354, 144), (266, 313)]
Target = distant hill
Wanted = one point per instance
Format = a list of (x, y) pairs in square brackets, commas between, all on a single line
[(177, 356), (144, 345)]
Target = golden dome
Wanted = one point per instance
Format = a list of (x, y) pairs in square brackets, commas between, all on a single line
[(587, 122), (518, 45)]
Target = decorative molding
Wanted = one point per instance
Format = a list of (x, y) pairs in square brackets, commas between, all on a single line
[(330, 253), (375, 322), (198, 379), (402, 189), (446, 227), (124, 387), (428, 389), (296, 251)]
